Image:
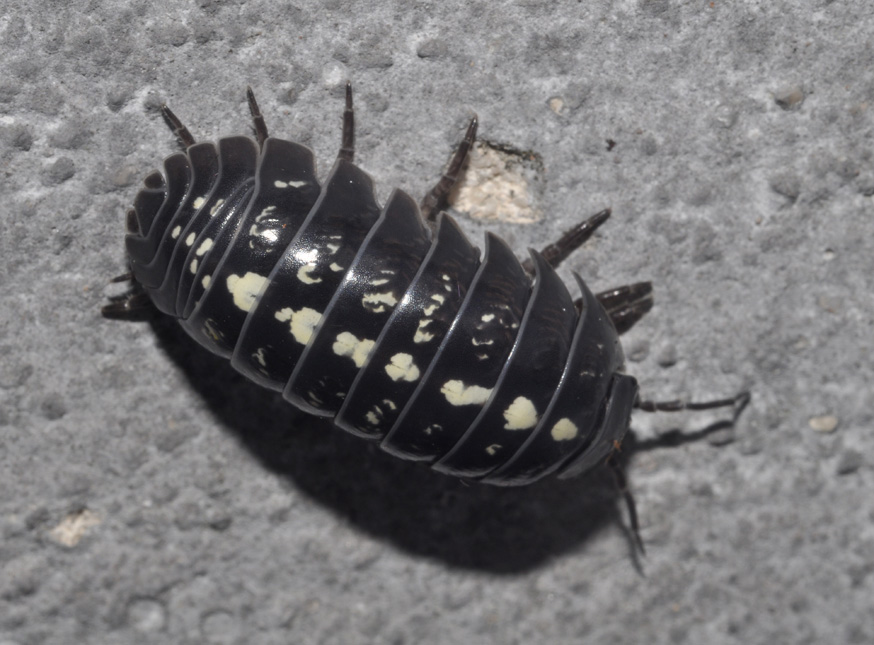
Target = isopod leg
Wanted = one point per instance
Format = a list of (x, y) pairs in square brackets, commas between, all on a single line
[(622, 485), (738, 402), (132, 306), (626, 305), (435, 200), (347, 147), (556, 252), (257, 118), (177, 127)]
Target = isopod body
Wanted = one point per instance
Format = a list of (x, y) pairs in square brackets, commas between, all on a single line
[(392, 323)]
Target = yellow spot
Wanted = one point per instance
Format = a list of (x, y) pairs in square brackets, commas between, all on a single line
[(333, 248), (564, 430), (205, 281), (290, 184), (198, 202), (402, 368), (493, 448), (376, 302), (521, 415), (459, 394), (176, 231), (379, 282), (488, 318), (303, 274), (356, 349), (423, 336), (210, 331), (204, 247), (335, 267), (245, 289), (190, 239), (193, 266), (303, 322), (476, 342), (372, 419), (259, 356), (216, 207)]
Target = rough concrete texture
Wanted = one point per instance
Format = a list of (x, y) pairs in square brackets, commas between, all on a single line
[(150, 495)]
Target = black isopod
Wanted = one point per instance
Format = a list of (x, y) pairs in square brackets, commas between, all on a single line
[(386, 318)]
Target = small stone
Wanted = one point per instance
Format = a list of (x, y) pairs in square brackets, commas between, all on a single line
[(668, 356), (638, 351), (146, 615), (432, 48), (850, 462), (73, 527), (789, 98), (825, 423), (58, 172), (556, 104)]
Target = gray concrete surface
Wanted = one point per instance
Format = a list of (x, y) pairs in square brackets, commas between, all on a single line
[(150, 495)]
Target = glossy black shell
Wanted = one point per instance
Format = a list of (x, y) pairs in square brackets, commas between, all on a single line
[(400, 331)]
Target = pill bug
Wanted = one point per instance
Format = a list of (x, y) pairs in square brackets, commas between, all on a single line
[(386, 318)]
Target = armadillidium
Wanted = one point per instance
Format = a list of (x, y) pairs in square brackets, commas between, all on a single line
[(385, 318)]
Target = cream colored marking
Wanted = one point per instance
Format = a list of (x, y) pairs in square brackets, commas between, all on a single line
[(246, 289), (205, 281), (445, 277), (423, 336), (430, 309), (190, 239), (564, 430), (198, 202), (333, 248), (482, 357), (372, 419), (335, 267), (204, 247), (313, 398), (476, 342), (391, 404), (379, 282), (521, 415), (193, 266), (402, 368), (488, 318), (216, 207), (303, 274), (264, 213), (290, 183), (259, 356), (356, 349), (376, 302), (493, 448), (440, 299), (210, 331), (176, 231), (433, 427), (336, 237), (303, 322), (457, 393)]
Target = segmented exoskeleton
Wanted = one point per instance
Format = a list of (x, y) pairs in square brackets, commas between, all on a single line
[(386, 318)]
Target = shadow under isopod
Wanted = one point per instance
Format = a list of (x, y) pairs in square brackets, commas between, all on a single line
[(500, 530)]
